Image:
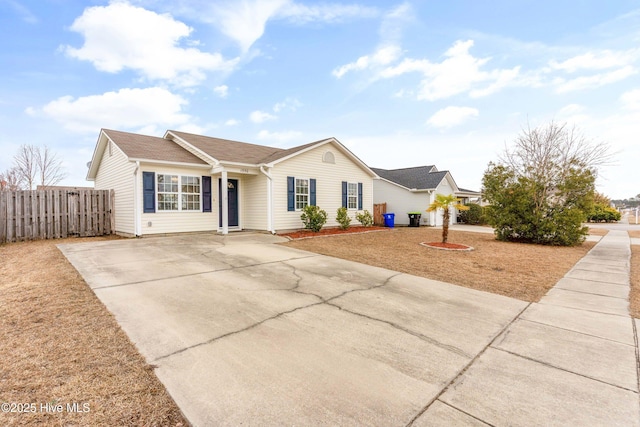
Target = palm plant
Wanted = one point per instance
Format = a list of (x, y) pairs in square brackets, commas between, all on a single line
[(446, 203)]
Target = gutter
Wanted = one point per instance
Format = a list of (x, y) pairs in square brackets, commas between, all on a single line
[(269, 199), (137, 225)]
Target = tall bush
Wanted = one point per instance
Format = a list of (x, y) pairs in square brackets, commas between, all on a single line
[(365, 218), (343, 218), (313, 218), (473, 216)]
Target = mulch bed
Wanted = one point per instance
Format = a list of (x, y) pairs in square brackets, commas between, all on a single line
[(325, 232)]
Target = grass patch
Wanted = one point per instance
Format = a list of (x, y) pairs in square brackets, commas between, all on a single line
[(60, 345), (598, 231), (634, 233), (517, 270)]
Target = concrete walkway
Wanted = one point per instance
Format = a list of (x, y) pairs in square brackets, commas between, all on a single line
[(243, 331), (571, 359)]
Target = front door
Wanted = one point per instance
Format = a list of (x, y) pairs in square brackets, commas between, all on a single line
[(232, 196)]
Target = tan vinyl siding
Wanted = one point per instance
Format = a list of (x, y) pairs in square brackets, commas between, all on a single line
[(329, 177), (253, 209), (401, 201), (116, 172), (181, 221)]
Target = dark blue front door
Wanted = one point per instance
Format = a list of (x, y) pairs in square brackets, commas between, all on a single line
[(232, 195)]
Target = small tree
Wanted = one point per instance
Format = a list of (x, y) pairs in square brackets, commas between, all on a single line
[(10, 180), (37, 165), (343, 218), (446, 203), (542, 189), (313, 218), (474, 215)]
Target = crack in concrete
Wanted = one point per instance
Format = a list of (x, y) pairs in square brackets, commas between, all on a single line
[(182, 350), (231, 267), (322, 301), (425, 338), (466, 368), (466, 413)]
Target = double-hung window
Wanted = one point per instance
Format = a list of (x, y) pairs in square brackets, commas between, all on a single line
[(352, 195), (178, 193), (168, 191), (302, 193), (190, 193)]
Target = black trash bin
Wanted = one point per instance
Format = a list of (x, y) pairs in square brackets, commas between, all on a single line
[(414, 219)]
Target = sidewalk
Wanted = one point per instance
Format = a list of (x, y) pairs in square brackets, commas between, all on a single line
[(571, 359)]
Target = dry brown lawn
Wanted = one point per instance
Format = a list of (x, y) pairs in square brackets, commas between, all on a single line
[(634, 233), (60, 345), (516, 270), (598, 231)]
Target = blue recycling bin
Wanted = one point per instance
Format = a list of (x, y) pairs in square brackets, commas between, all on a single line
[(389, 219)]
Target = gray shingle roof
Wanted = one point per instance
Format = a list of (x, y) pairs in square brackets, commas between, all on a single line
[(235, 151), (418, 177), (150, 147)]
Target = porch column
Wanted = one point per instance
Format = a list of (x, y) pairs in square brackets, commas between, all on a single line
[(224, 197)]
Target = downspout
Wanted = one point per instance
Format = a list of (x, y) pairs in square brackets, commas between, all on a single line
[(137, 226), (269, 199)]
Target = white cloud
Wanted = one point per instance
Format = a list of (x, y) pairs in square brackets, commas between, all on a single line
[(460, 72), (261, 116), (452, 116), (232, 122), (26, 15), (331, 13), (631, 99), (244, 21), (222, 91), (279, 137), (384, 55), (597, 60), (593, 81), (125, 109), (121, 36), (291, 104), (573, 113)]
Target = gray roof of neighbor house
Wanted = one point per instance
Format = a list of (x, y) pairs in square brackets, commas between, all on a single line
[(137, 146), (420, 177), (235, 151)]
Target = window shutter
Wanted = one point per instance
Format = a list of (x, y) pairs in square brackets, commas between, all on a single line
[(312, 192), (291, 193), (344, 194), (359, 196), (206, 194), (148, 192)]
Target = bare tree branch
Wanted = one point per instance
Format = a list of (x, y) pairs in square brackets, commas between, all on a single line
[(50, 169), (26, 165), (10, 180)]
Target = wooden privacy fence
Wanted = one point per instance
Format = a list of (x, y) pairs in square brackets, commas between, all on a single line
[(55, 214), (378, 210)]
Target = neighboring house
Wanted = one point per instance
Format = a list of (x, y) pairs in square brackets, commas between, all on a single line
[(173, 184), (413, 189)]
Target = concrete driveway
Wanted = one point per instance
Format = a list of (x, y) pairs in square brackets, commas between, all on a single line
[(246, 332)]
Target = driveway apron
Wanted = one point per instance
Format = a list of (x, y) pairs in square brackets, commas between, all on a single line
[(244, 331)]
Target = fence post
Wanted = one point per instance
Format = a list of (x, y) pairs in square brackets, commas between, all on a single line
[(3, 216)]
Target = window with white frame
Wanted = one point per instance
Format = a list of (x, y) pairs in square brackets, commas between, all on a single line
[(352, 195), (176, 193), (168, 192), (190, 193), (302, 193)]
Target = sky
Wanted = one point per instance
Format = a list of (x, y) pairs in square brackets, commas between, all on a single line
[(400, 84)]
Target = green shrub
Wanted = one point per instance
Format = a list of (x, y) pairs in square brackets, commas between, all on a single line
[(603, 213), (343, 218), (365, 218), (313, 217), (473, 216)]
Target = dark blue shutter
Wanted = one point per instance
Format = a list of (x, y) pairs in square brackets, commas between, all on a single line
[(206, 194), (359, 196), (312, 192), (148, 192), (344, 194), (291, 193)]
